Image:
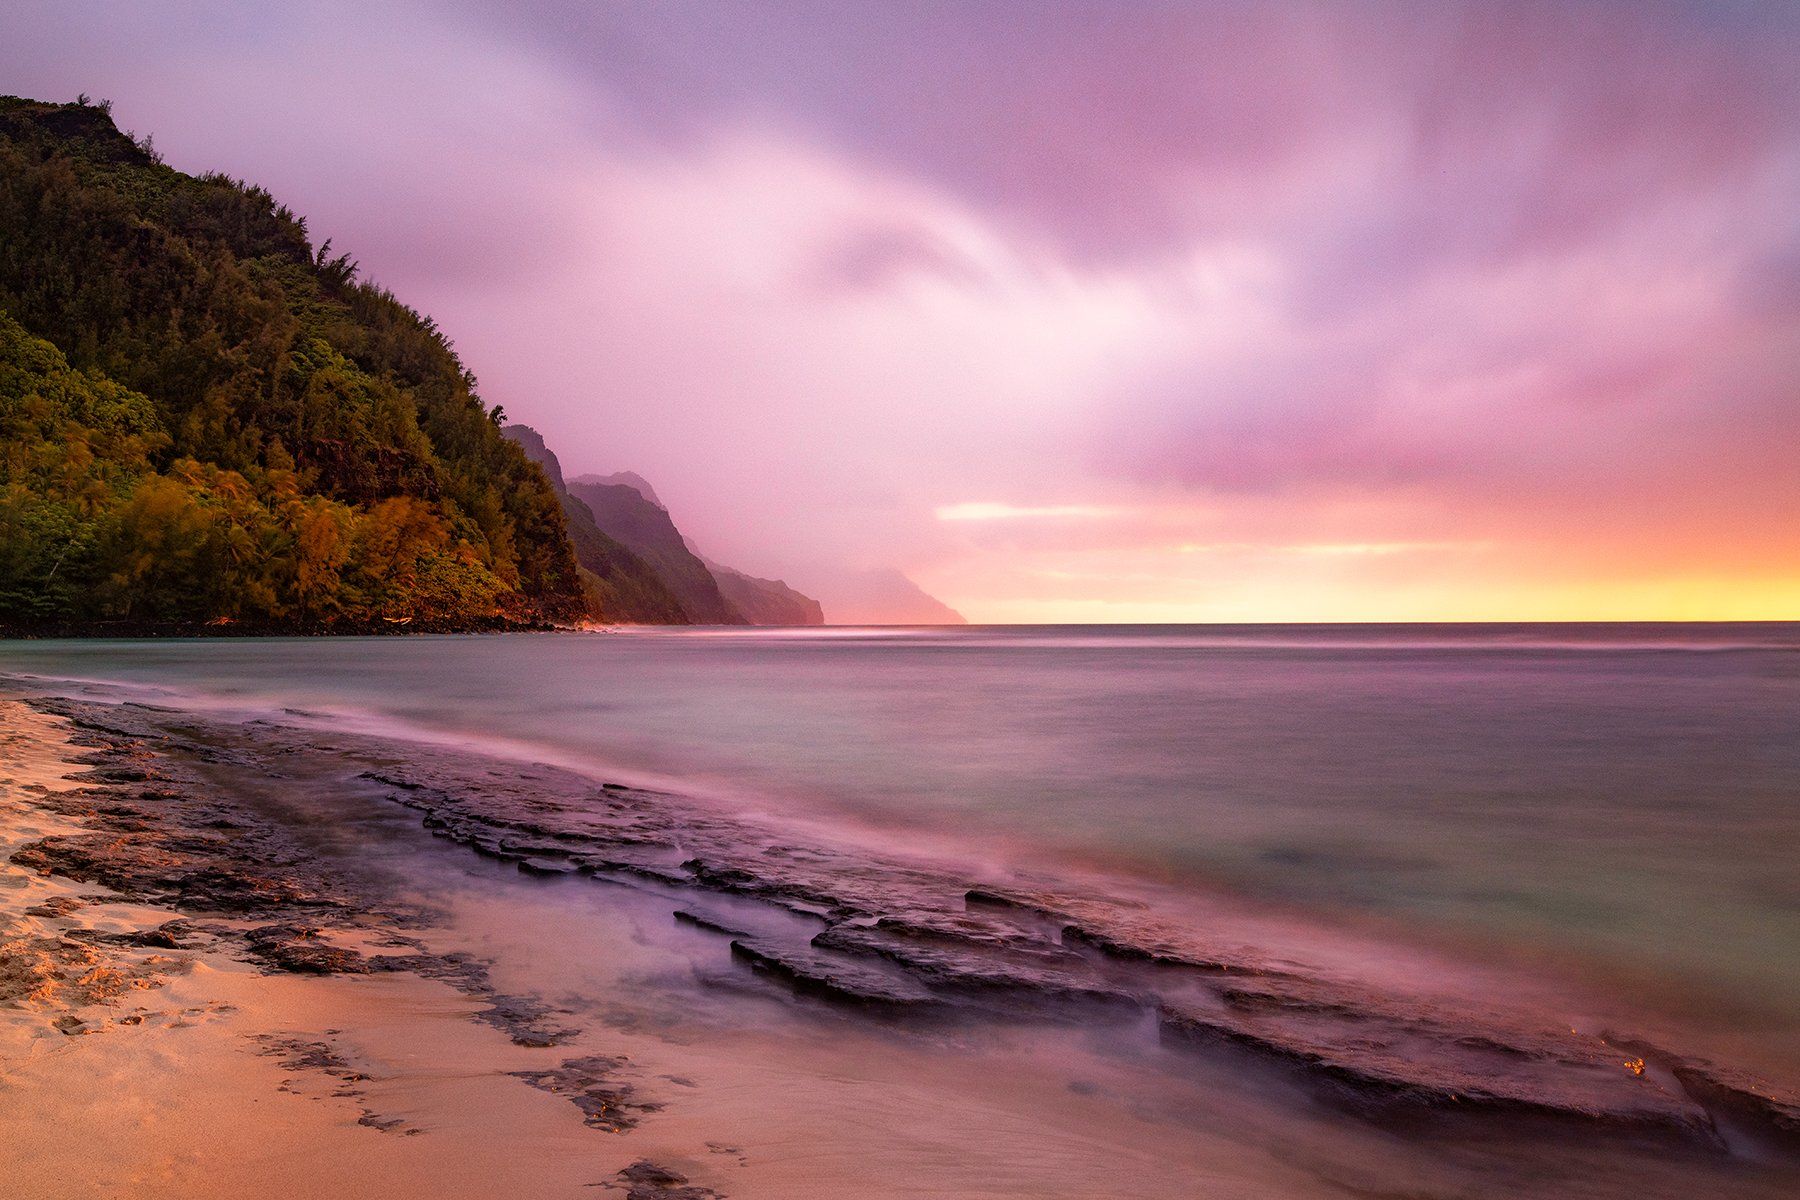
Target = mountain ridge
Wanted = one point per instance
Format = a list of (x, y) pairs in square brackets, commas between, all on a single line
[(623, 512), (766, 601), (883, 596), (209, 423), (619, 584), (756, 601)]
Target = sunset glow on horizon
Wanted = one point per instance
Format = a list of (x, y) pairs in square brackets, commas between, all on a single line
[(1080, 312)]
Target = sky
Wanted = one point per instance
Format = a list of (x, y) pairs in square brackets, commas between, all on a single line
[(1076, 311)]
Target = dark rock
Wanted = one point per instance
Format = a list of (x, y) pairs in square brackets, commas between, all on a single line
[(546, 866), (321, 1058), (193, 871), (834, 977), (1034, 977), (170, 935), (298, 949), (894, 935), (685, 916), (1385, 1061), (645, 1180), (588, 1083), (56, 906)]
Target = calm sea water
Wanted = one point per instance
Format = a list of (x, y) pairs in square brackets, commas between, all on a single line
[(1627, 794)]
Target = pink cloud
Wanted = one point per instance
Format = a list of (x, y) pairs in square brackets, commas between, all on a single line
[(1519, 276)]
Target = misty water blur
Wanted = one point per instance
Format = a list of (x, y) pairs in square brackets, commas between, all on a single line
[(1625, 796)]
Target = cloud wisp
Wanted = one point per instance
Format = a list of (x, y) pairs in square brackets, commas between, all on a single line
[(1494, 307)]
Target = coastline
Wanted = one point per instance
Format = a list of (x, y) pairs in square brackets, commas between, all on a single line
[(130, 1025), (306, 964), (106, 630)]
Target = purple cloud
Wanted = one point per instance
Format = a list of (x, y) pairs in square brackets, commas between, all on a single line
[(1521, 275)]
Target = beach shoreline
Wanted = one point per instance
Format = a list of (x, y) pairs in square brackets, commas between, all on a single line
[(158, 1047), (180, 865)]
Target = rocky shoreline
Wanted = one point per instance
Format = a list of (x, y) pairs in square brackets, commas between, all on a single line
[(197, 878), (159, 820), (895, 937)]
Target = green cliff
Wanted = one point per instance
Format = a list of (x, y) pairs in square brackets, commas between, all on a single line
[(207, 422)]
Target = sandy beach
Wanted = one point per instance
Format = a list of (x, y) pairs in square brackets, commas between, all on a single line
[(149, 1058), (136, 1063), (232, 954), (900, 601)]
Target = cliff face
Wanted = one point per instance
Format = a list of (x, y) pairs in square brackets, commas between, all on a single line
[(646, 528), (765, 601), (620, 584), (756, 601), (652, 573), (883, 597), (630, 479), (207, 421), (532, 443)]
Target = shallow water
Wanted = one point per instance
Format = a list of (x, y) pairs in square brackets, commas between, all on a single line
[(1627, 797), (1577, 796), (760, 1089)]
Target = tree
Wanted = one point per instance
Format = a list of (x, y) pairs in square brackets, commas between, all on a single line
[(206, 419)]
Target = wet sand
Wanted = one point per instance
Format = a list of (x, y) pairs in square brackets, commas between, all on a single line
[(231, 956), (155, 1071)]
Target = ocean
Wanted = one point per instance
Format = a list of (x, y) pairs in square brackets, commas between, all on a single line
[(1599, 821), (1628, 795)]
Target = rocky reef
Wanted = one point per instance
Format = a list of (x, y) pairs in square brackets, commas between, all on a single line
[(896, 938)]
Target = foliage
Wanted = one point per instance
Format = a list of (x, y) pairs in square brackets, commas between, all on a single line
[(208, 421)]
